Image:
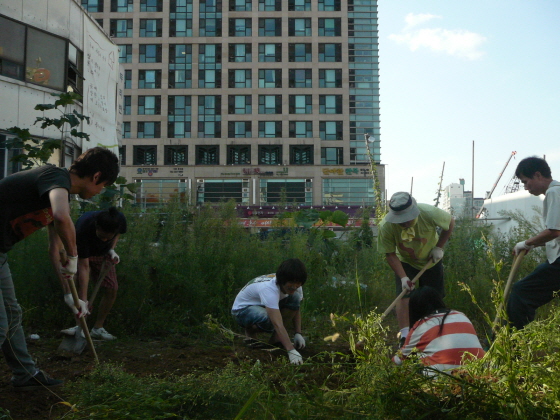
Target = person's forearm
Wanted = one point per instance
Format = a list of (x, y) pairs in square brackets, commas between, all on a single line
[(445, 235), (65, 229), (395, 264), (55, 247), (278, 325), (543, 237)]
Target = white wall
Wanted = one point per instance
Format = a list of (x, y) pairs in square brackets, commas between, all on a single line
[(520, 200)]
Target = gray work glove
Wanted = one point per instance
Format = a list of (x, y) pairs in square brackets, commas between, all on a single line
[(70, 268), (295, 357), (436, 254), (114, 256), (407, 284), (299, 341), (82, 311), (522, 246)]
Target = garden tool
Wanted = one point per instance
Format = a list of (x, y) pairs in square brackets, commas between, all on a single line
[(512, 274)]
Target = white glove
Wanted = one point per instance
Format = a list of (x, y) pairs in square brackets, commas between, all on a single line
[(114, 256), (70, 268), (299, 341), (522, 246), (436, 254), (407, 284), (295, 357), (83, 311)]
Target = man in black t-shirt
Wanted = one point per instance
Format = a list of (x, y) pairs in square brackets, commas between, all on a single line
[(29, 201), (97, 234)]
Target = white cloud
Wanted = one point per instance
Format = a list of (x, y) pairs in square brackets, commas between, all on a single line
[(457, 42)]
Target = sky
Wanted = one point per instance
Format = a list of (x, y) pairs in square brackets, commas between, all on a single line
[(462, 75)]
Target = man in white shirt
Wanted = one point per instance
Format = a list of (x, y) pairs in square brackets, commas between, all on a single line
[(538, 288), (270, 301)]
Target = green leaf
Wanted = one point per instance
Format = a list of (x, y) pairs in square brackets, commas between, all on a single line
[(328, 234), (325, 215), (340, 218), (44, 107)]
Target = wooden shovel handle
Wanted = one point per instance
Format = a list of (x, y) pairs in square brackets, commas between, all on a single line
[(507, 289)]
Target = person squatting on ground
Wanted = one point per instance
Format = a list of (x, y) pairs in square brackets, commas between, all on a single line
[(30, 200), (97, 234), (409, 239), (269, 302), (441, 338), (539, 287)]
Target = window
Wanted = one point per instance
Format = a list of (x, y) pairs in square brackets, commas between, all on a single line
[(210, 79), (150, 28), (329, 5), (176, 155), (270, 104), (240, 27), (127, 100), (270, 27), (239, 129), (151, 6), (95, 6), (128, 79), (121, 5), (330, 52), (239, 155), (301, 129), (12, 51), (150, 53), (270, 53), (120, 28), (239, 78), (180, 18), (149, 79), (290, 190), (330, 78), (299, 5), (149, 105), (208, 155), (210, 26), (216, 190), (75, 69), (209, 116), (329, 27), (299, 27), (126, 130), (300, 78), (299, 52), (125, 53), (148, 129), (350, 191), (300, 104), (210, 53), (270, 154), (240, 5), (49, 69), (99, 22), (240, 53), (180, 27), (178, 116), (330, 130), (180, 65), (239, 104), (122, 155), (301, 155), (330, 104), (331, 156), (271, 129), (145, 155), (270, 5), (270, 78)]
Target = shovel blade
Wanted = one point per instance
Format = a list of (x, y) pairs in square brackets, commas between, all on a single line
[(73, 343)]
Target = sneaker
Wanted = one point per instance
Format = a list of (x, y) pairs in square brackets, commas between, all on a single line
[(102, 334), (40, 380), (72, 331)]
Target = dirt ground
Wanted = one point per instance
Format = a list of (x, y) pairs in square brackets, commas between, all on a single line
[(177, 355)]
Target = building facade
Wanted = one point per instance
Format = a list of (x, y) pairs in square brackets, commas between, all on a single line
[(54, 46), (259, 101), (459, 202)]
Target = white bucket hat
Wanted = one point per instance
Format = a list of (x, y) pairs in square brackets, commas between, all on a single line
[(402, 208)]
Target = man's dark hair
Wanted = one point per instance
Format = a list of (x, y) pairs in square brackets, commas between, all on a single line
[(97, 159), (108, 220), (531, 165), (292, 270), (424, 302)]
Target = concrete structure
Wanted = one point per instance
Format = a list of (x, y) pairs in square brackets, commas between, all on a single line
[(259, 101), (458, 202), (54, 46)]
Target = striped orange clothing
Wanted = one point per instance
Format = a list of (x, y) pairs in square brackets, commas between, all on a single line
[(442, 351)]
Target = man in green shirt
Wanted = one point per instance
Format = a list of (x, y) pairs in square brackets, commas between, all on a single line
[(409, 239)]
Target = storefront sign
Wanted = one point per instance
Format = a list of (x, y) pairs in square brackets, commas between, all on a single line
[(346, 171), (149, 170)]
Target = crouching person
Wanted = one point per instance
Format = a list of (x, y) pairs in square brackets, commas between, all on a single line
[(269, 302), (441, 338)]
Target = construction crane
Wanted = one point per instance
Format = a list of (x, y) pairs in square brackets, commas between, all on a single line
[(489, 194), (439, 187)]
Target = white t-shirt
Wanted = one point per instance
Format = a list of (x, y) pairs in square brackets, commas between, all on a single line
[(261, 291), (551, 215)]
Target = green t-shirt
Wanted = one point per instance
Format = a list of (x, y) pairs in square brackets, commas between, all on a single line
[(417, 251)]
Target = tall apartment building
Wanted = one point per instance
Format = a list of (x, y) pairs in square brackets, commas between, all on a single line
[(259, 101)]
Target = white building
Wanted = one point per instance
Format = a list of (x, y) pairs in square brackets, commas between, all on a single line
[(55, 46), (457, 201)]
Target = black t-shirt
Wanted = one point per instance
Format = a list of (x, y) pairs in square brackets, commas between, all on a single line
[(89, 245), (25, 206)]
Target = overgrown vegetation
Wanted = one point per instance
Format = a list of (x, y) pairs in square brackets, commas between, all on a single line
[(181, 266)]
